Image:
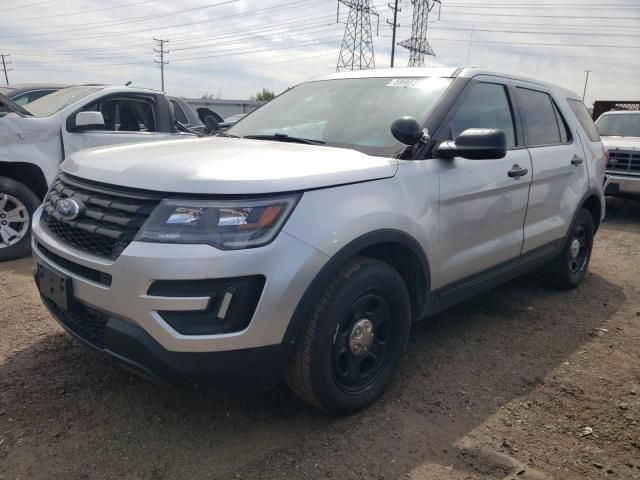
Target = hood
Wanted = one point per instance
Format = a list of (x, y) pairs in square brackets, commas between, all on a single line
[(622, 143), (223, 165), (9, 106)]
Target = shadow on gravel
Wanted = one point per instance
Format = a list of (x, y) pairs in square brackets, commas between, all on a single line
[(623, 213), (67, 412)]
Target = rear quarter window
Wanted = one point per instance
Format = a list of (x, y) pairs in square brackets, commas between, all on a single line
[(582, 114), (543, 122)]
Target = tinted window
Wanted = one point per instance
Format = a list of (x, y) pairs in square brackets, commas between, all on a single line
[(543, 125), (582, 114), (126, 114), (486, 106), (180, 115)]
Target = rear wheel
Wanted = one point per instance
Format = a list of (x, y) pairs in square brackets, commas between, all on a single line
[(17, 204), (354, 339), (570, 267)]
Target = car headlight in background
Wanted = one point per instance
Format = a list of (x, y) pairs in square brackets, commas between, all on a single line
[(226, 224)]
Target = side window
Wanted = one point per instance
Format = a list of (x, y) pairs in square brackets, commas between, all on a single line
[(486, 106), (126, 114), (543, 123), (582, 114), (180, 115)]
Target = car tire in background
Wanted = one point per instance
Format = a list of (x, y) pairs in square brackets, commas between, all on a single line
[(354, 338), (17, 204), (568, 270)]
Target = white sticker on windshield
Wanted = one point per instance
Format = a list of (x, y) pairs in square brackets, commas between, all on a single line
[(404, 82)]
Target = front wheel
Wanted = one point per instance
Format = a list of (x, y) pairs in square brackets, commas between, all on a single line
[(17, 204), (354, 338), (570, 267)]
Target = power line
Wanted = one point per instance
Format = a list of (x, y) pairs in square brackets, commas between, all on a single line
[(244, 15), (5, 10), (356, 52), (86, 12), (103, 24), (161, 53), (4, 66)]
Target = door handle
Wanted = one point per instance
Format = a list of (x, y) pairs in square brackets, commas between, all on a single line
[(517, 171), (576, 160)]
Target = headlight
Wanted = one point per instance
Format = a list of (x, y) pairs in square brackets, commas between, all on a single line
[(229, 224)]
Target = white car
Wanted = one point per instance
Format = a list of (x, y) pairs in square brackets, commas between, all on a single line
[(620, 133), (34, 140)]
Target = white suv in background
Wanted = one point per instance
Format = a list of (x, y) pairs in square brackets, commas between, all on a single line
[(620, 132), (36, 138), (305, 243)]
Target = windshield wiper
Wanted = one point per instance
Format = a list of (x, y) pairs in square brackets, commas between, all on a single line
[(283, 137)]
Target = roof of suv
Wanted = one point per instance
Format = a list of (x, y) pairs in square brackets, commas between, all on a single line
[(441, 72)]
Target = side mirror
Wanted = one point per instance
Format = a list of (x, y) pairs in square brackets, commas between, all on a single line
[(210, 124), (407, 130), (89, 121), (474, 144)]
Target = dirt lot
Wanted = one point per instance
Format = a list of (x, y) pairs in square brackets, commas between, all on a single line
[(500, 387)]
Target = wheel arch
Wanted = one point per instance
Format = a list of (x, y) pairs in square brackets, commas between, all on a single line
[(26, 173), (593, 204), (394, 247)]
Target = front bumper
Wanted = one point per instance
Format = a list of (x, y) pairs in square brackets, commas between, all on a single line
[(136, 333), (620, 184)]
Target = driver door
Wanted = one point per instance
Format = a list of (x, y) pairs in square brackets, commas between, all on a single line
[(483, 203)]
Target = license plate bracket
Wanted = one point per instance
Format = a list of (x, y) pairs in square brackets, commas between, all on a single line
[(56, 287)]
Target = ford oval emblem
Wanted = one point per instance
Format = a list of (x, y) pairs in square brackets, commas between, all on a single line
[(68, 208)]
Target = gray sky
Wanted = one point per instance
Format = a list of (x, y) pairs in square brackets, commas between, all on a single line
[(237, 47)]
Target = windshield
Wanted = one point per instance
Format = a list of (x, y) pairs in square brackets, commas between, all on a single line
[(355, 113), (56, 101), (619, 124)]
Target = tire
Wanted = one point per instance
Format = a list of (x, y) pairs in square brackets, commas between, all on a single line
[(17, 202), (569, 268), (332, 367)]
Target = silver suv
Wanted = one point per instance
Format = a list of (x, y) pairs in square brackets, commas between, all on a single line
[(305, 243)]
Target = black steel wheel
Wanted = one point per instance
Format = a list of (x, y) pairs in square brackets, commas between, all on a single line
[(568, 270), (362, 342), (354, 339)]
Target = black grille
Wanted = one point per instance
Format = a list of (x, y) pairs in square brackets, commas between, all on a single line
[(109, 218), (624, 162), (86, 322)]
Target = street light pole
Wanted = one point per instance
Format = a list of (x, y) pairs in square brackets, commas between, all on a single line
[(586, 81)]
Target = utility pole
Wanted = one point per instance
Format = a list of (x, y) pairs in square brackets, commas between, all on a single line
[(4, 66), (394, 26), (162, 52), (586, 81), (356, 52), (418, 45)]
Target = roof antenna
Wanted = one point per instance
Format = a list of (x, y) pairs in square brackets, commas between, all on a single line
[(128, 83)]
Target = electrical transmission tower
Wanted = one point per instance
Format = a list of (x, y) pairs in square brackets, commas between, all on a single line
[(356, 52), (161, 53), (5, 62), (418, 45)]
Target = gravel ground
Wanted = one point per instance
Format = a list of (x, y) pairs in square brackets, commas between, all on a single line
[(522, 383)]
